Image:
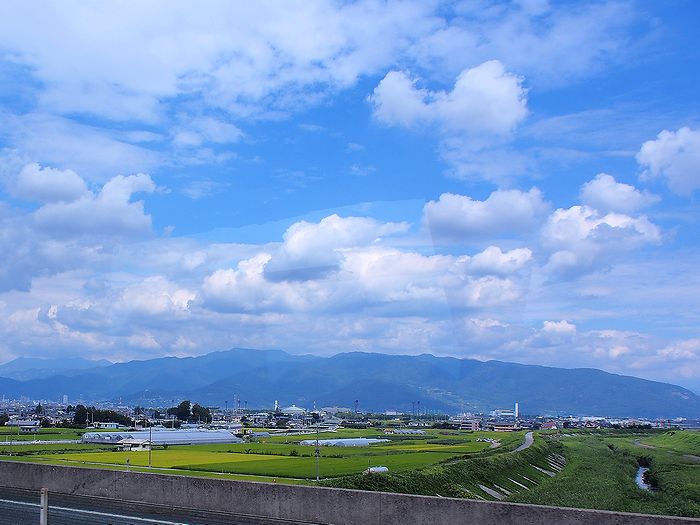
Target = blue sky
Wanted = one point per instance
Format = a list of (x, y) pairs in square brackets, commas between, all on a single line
[(496, 180)]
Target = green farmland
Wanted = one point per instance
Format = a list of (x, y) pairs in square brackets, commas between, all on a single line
[(280, 457), (589, 469)]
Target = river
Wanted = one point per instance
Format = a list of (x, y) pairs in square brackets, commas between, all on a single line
[(640, 479)]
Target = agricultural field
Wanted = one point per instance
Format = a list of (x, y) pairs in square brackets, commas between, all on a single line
[(46, 434), (588, 469), (282, 458)]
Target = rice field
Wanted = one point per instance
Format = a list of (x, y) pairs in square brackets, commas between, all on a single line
[(282, 456)]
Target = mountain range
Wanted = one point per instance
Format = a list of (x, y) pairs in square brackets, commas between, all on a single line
[(376, 381)]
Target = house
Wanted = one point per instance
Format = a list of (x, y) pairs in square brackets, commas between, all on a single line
[(550, 425)]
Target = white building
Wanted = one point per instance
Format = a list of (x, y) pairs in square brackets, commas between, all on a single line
[(105, 424), (294, 411)]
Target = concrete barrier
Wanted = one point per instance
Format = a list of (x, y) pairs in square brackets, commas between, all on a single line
[(312, 504)]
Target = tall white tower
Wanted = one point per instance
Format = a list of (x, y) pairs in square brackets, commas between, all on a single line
[(516, 409)]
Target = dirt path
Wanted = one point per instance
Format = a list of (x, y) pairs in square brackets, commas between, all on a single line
[(642, 445)]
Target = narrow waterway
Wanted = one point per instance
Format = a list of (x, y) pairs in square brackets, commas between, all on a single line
[(640, 479)]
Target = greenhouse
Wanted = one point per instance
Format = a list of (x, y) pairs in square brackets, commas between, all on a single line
[(163, 437), (348, 442)]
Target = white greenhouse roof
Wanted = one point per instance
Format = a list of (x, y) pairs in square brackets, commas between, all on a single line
[(163, 437), (347, 442)]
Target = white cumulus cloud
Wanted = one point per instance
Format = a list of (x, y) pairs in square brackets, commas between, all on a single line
[(495, 261), (48, 184), (109, 212), (559, 327), (503, 213), (485, 99), (675, 157), (582, 239), (312, 249), (604, 193)]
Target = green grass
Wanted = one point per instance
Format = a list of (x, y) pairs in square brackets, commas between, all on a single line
[(460, 477), (601, 470), (305, 467), (29, 448), (599, 473), (282, 456), (682, 442), (203, 458), (47, 434)]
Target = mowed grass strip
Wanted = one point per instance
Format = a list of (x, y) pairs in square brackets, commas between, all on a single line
[(305, 467), (38, 448), (684, 442), (164, 458), (465, 448)]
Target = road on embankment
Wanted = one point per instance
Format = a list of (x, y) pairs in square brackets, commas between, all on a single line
[(529, 440), (21, 507)]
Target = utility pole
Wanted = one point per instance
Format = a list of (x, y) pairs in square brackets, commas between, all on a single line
[(150, 442), (318, 454)]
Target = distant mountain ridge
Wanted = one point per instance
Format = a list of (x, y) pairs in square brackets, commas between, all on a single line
[(24, 368), (377, 381)]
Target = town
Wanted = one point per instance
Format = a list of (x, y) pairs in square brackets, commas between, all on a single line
[(28, 416)]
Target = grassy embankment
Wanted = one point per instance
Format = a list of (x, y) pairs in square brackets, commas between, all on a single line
[(501, 471), (601, 470), (599, 473)]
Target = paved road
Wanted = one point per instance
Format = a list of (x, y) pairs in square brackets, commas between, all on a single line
[(529, 440), (21, 507)]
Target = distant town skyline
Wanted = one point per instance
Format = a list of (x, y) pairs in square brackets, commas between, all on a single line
[(515, 181)]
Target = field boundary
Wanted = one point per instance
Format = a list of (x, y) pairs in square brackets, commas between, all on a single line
[(303, 503)]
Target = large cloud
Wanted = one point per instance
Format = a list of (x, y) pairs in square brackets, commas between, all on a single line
[(675, 157), (49, 184), (582, 239), (485, 100), (371, 277), (504, 213), (313, 249), (238, 57), (604, 193), (110, 212)]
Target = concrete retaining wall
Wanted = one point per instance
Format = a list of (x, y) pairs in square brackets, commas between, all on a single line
[(319, 505)]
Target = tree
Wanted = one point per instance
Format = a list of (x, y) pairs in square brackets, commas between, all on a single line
[(201, 413), (80, 416), (182, 411), (38, 409)]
